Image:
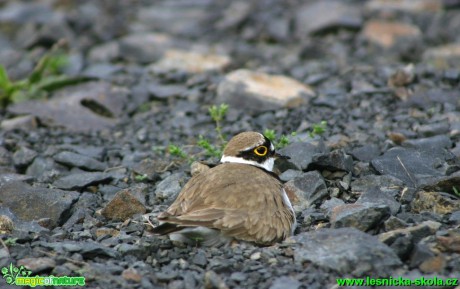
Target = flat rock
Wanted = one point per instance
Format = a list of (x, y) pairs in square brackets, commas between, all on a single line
[(441, 184), (387, 34), (190, 62), (306, 190), (78, 181), (301, 153), (37, 265), (364, 216), (258, 91), (435, 202), (29, 203), (80, 161), (285, 282), (322, 16), (126, 203), (377, 196), (408, 164), (365, 153), (86, 107), (88, 249), (26, 122), (444, 52), (336, 160), (347, 251)]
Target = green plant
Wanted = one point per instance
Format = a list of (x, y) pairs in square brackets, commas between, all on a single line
[(210, 150), (140, 178), (177, 151), (280, 142), (217, 113), (456, 192), (318, 128), (10, 241), (44, 78)]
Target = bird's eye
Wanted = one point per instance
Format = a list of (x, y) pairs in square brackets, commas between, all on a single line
[(261, 151)]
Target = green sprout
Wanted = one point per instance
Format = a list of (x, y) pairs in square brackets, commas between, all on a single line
[(318, 128), (140, 178), (177, 151), (210, 149), (280, 142), (217, 114), (456, 191)]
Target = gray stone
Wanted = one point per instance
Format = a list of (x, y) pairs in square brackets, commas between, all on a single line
[(289, 175), (29, 203), (95, 152), (301, 153), (347, 251), (435, 202), (306, 190), (319, 16), (37, 265), (409, 165), (361, 216), (285, 282), (45, 169), (394, 223), (441, 184), (80, 161), (11, 177), (238, 276), (329, 205), (88, 249), (101, 70), (132, 249), (435, 143), (163, 91), (385, 183), (455, 217), (169, 188), (144, 47), (440, 128), (200, 259), (336, 160), (377, 196), (26, 122), (365, 153), (79, 181), (23, 157)]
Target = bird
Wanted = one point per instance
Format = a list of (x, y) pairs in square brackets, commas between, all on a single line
[(240, 199)]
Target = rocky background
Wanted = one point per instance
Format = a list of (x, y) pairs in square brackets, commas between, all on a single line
[(376, 195)]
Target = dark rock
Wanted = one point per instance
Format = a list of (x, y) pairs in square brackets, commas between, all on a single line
[(409, 165), (23, 157), (306, 190), (133, 250), (94, 152), (435, 143), (455, 217), (435, 202), (289, 175), (336, 160), (377, 196), (79, 181), (168, 189), (394, 223), (101, 70), (29, 203), (21, 229), (165, 91), (420, 254), (386, 183), (345, 250), (10, 178), (126, 203), (45, 169), (106, 52), (301, 153), (441, 184), (319, 16), (238, 276), (200, 259), (365, 153), (329, 205), (88, 249), (363, 216), (285, 282), (27, 12), (213, 281), (77, 160), (432, 129)]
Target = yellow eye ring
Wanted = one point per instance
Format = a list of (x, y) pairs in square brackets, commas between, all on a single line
[(261, 151)]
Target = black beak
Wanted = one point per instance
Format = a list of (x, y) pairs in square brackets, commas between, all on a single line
[(278, 156)]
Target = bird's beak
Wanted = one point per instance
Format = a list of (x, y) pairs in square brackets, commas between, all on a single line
[(278, 156)]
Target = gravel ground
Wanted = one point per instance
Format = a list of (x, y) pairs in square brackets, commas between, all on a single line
[(376, 194)]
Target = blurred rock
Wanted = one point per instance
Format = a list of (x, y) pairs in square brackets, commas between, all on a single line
[(6, 225), (256, 91), (80, 161), (105, 52), (79, 181), (86, 107), (336, 160), (23, 157), (345, 250), (377, 196), (144, 47), (305, 190), (363, 216), (442, 55), (30, 203), (26, 122), (322, 16), (405, 5), (168, 189), (126, 203), (386, 34), (365, 153), (190, 62), (285, 282), (37, 265)]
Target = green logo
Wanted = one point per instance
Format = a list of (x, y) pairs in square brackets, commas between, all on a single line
[(12, 272), (20, 276)]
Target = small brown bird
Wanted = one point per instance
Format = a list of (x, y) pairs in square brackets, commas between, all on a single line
[(241, 198)]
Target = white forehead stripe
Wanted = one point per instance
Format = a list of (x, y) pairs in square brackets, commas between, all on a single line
[(267, 165)]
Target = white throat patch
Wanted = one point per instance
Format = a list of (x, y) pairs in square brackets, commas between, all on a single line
[(267, 165)]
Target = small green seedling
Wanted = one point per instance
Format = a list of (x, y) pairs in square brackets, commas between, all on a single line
[(318, 129), (280, 142)]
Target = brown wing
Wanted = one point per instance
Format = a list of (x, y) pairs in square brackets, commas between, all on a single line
[(256, 214)]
